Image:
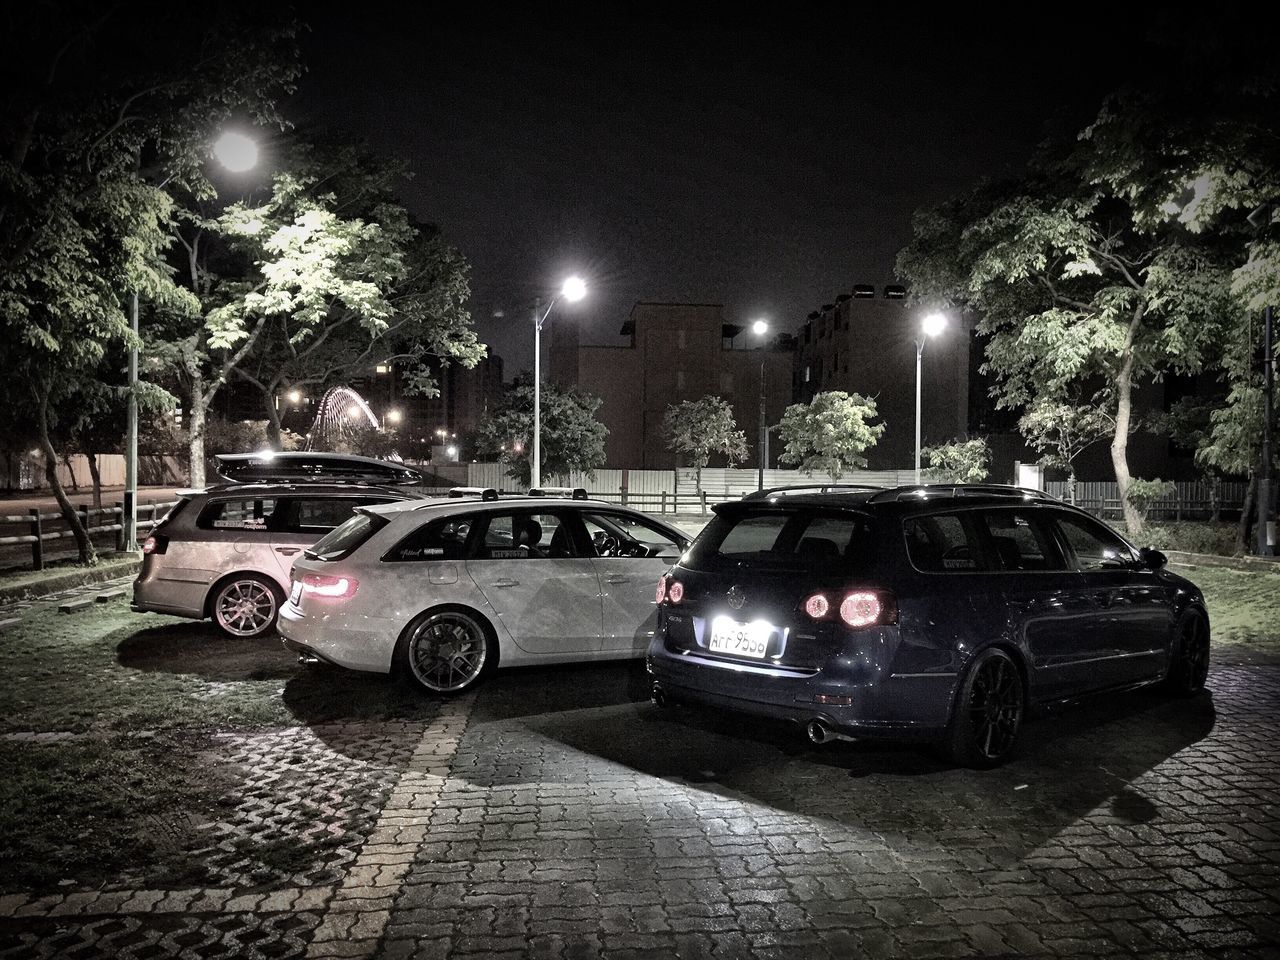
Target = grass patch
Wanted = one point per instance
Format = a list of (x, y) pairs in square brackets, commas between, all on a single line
[(15, 579), (1244, 607), (90, 809)]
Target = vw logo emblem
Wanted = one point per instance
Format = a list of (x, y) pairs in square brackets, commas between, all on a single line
[(736, 597)]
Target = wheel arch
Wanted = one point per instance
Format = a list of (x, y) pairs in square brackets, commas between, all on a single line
[(1014, 653), (226, 578), (402, 639)]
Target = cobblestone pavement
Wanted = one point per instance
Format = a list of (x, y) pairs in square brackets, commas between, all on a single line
[(559, 815)]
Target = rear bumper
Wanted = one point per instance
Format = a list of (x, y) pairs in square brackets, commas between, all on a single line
[(357, 643), (151, 596), (913, 708)]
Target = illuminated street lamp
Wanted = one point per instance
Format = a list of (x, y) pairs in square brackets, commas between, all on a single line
[(760, 328), (238, 153), (573, 290), (394, 416), (295, 397), (932, 326)]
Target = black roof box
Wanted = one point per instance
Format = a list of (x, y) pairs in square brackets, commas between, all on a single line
[(299, 467)]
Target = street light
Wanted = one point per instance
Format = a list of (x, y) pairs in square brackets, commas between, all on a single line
[(573, 289), (931, 327), (394, 416), (295, 397), (760, 328), (238, 153)]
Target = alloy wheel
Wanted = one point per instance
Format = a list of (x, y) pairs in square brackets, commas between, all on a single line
[(447, 652), (1194, 652), (995, 707), (245, 608)]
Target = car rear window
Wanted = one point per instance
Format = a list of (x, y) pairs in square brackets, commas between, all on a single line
[(810, 540), (346, 538), (438, 540), (241, 513)]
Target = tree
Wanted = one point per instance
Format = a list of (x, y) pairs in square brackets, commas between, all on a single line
[(960, 461), (830, 433), (699, 428), (424, 286), (124, 106), (572, 438), (1074, 287), (1060, 431)]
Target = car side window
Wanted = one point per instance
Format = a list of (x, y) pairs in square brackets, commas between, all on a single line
[(943, 544), (322, 514), (261, 514), (1095, 547), (1022, 541), (526, 535), (444, 539), (622, 535)]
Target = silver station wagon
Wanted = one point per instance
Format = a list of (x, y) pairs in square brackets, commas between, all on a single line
[(225, 552)]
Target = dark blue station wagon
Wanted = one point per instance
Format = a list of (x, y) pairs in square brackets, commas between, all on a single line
[(930, 613)]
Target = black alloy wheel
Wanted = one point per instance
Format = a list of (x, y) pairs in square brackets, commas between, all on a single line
[(989, 711), (1189, 664)]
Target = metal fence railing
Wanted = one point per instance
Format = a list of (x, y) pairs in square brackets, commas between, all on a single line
[(1192, 500), (41, 529)]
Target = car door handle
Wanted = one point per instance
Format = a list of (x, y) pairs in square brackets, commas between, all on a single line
[(505, 582), (288, 551), (616, 579)]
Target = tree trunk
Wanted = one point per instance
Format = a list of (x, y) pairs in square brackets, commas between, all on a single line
[(84, 545), (1246, 514), (71, 473), (1120, 445), (275, 440), (197, 412), (1071, 487), (96, 475)]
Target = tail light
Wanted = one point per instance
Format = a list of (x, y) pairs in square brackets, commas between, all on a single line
[(675, 591), (662, 589), (157, 544), (329, 587), (857, 608)]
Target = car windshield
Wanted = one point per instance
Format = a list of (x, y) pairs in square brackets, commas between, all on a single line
[(809, 540), (342, 540)]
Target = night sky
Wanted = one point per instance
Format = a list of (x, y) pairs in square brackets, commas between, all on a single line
[(766, 164)]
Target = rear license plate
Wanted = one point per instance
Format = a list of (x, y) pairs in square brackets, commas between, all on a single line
[(295, 595), (740, 639)]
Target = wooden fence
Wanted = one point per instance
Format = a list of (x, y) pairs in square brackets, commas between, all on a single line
[(1192, 500), (44, 528)]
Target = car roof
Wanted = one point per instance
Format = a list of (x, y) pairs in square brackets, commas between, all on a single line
[(390, 510), (306, 488), (921, 498)]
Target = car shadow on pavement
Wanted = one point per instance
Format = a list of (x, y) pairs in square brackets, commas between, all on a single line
[(198, 648), (1072, 760), (320, 694)]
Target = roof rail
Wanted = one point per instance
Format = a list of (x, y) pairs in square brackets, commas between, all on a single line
[(812, 488), (924, 491), (573, 493), (484, 493)]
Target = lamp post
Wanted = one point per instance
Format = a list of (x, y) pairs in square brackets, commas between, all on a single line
[(573, 290), (760, 328), (238, 153), (1260, 219), (932, 325)]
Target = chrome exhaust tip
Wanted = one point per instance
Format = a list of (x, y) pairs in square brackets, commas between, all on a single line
[(308, 660), (817, 731), (658, 696)]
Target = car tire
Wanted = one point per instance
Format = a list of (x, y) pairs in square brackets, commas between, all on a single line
[(1189, 656), (447, 651), (245, 606), (990, 706)]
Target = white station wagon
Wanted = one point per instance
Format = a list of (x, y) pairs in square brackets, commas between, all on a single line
[(445, 590)]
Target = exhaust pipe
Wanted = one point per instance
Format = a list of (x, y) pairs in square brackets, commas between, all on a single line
[(308, 659), (658, 696), (819, 732)]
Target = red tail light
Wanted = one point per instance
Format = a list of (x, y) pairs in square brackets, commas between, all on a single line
[(329, 587), (157, 543), (857, 608), (662, 589), (675, 591)]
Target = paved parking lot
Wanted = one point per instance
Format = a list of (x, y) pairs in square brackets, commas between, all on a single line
[(558, 814)]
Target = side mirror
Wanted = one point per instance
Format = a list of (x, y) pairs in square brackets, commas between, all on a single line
[(1151, 558)]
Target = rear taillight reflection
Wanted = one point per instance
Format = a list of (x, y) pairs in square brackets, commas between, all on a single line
[(155, 544), (329, 587), (675, 591), (662, 589), (817, 606)]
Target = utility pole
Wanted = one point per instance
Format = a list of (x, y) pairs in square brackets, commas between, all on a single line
[(129, 515)]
